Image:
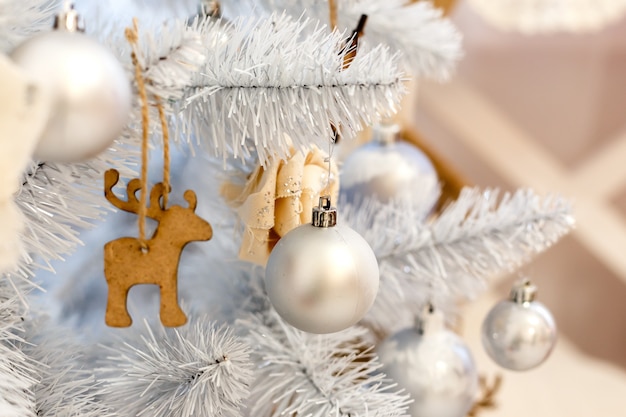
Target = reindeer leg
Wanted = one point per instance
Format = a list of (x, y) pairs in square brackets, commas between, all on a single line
[(171, 313), (117, 312)]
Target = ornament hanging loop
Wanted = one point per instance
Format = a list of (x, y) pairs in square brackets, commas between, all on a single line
[(69, 20), (524, 292), (324, 215)]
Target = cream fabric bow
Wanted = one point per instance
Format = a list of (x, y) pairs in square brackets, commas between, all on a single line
[(278, 198)]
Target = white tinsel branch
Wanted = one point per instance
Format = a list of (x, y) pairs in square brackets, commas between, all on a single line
[(474, 238), (317, 375), (170, 59), (429, 43), (265, 80), (17, 371), (270, 84), (59, 199), (197, 370), (64, 388), (20, 19)]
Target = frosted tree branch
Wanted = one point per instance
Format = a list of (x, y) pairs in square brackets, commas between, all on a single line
[(265, 80), (476, 237), (429, 43), (16, 369), (317, 375), (20, 19), (59, 199), (198, 370), (265, 84), (63, 387), (171, 59)]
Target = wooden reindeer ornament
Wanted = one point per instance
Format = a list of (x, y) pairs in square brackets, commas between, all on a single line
[(130, 261)]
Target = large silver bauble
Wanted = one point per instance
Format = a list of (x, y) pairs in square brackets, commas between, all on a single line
[(322, 279), (435, 368), (89, 90), (385, 169), (519, 336)]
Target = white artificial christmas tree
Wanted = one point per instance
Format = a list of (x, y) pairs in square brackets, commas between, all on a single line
[(239, 94)]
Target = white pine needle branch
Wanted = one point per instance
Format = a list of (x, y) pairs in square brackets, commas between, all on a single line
[(20, 19), (429, 43), (317, 375), (474, 238), (197, 370), (59, 199), (16, 369), (265, 80), (170, 59), (64, 388)]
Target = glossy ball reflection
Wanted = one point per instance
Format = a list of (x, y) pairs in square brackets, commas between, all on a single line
[(519, 336), (322, 279), (89, 90), (435, 368), (385, 171)]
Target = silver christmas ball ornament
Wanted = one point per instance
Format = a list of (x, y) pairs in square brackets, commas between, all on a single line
[(322, 277), (89, 90), (433, 365), (385, 168), (519, 333)]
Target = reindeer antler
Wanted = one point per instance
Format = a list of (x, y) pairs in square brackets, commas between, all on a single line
[(112, 176), (156, 209), (190, 197)]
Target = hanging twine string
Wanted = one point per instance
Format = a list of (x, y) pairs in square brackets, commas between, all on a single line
[(132, 36), (332, 9), (166, 152)]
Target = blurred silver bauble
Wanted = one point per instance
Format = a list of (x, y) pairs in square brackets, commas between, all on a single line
[(90, 92), (322, 277), (519, 333), (433, 365), (385, 167)]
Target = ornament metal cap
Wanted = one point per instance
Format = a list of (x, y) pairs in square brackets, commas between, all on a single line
[(430, 320), (523, 292), (69, 20), (210, 8), (324, 215), (386, 133)]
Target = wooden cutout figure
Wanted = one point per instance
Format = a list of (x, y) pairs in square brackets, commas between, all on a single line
[(127, 263)]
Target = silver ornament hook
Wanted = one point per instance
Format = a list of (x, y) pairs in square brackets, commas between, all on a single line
[(324, 215), (523, 292), (68, 19)]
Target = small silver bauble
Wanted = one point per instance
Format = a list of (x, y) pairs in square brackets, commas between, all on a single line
[(322, 277), (385, 168), (89, 90), (433, 365), (519, 333)]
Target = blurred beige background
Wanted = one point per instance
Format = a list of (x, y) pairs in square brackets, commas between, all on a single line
[(549, 112)]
